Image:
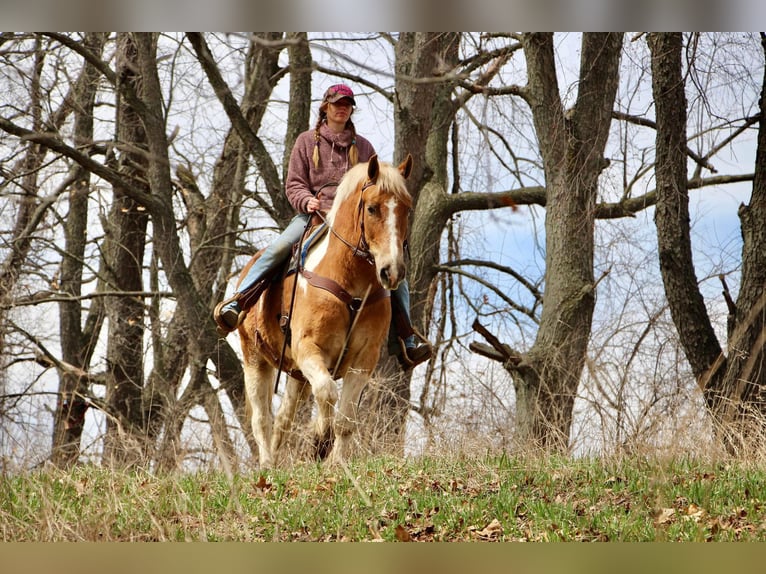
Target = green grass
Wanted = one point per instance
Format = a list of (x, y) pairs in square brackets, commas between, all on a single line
[(426, 499)]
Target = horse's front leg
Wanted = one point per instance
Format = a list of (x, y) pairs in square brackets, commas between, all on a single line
[(347, 417), (325, 394)]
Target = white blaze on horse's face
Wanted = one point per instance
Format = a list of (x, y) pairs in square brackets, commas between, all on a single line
[(385, 219)]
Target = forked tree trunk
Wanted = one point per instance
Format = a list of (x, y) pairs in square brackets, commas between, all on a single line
[(572, 146)]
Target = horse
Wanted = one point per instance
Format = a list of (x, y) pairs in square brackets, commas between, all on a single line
[(339, 314)]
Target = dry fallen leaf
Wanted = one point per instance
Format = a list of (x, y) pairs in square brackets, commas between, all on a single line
[(694, 513), (664, 516), (492, 531), (402, 534), (262, 484)]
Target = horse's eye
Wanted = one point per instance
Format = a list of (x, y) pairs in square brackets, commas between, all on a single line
[(372, 209)]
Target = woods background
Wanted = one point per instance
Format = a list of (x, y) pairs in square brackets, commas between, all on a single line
[(588, 238)]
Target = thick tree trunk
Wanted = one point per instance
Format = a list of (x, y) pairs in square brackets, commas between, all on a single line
[(423, 114), (672, 213), (746, 365), (732, 382), (572, 147), (125, 441)]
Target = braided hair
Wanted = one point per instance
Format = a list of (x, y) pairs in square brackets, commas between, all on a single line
[(353, 152)]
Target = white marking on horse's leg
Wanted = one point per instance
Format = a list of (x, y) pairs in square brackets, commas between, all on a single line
[(347, 416), (258, 377), (295, 392)]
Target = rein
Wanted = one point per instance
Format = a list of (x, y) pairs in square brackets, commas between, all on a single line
[(287, 325)]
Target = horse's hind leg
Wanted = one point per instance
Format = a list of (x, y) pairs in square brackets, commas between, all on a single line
[(258, 385), (295, 393)]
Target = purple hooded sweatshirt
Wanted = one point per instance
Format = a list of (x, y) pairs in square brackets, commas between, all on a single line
[(304, 180)]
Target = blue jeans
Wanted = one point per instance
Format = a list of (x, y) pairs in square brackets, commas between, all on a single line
[(402, 295), (278, 252), (274, 255)]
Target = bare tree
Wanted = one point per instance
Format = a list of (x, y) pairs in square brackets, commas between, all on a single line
[(732, 381), (572, 144), (78, 338)]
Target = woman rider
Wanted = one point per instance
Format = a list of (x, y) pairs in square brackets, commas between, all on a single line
[(318, 161)]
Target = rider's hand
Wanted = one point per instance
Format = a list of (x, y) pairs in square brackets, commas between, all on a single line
[(312, 205)]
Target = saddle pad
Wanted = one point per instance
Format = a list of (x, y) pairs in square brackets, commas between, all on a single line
[(309, 240)]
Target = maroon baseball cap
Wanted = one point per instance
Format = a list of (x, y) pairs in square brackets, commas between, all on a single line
[(338, 92)]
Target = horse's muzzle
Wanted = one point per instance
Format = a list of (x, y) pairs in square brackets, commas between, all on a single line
[(391, 275)]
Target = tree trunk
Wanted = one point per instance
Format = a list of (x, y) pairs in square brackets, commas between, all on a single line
[(423, 114), (746, 365), (73, 389), (125, 243), (732, 385), (672, 212), (572, 147)]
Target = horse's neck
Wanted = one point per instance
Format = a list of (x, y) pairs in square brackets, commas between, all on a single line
[(338, 258)]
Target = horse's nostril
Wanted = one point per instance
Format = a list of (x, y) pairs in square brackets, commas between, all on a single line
[(384, 275)]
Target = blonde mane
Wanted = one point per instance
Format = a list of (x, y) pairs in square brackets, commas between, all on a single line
[(389, 179)]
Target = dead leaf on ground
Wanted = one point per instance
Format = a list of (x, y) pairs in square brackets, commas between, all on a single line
[(492, 531), (262, 484), (694, 513), (402, 534), (664, 515)]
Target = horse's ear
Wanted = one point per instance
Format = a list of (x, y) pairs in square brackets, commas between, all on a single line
[(405, 168), (373, 168)]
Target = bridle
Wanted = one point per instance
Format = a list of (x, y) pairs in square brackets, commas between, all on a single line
[(362, 248)]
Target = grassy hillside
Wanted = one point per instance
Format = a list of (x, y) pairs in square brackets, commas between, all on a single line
[(425, 499)]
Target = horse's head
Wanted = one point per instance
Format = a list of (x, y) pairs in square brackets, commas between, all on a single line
[(384, 208)]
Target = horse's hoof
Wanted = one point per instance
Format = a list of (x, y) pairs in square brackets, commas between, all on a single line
[(323, 445)]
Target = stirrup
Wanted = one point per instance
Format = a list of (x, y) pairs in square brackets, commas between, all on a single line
[(222, 325)]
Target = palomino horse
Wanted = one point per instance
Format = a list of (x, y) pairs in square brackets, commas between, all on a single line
[(339, 318)]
